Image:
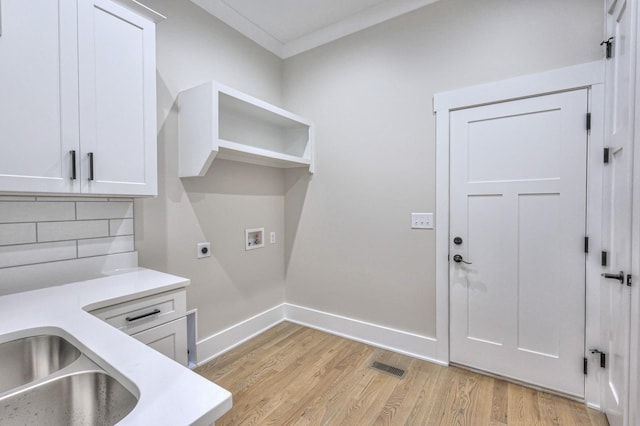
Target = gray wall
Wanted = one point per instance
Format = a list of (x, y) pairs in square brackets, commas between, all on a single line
[(343, 235), (233, 284), (370, 94)]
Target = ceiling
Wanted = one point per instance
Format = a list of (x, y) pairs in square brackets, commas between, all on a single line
[(289, 27)]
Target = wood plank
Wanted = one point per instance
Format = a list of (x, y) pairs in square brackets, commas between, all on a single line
[(500, 403), (299, 376)]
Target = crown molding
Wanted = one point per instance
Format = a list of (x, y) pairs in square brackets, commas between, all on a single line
[(352, 24)]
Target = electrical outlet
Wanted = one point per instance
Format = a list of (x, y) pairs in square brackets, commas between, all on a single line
[(204, 250), (422, 220), (272, 237)]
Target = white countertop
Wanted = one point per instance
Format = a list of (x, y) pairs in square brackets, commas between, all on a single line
[(170, 394)]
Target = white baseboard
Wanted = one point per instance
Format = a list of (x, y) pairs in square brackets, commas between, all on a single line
[(414, 345), (225, 340)]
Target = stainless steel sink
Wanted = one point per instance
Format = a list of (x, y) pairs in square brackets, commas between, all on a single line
[(45, 380), (31, 358), (89, 398)]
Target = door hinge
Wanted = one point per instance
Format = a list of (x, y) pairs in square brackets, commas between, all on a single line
[(608, 47), (603, 259), (584, 366), (603, 357), (629, 280), (586, 244), (588, 121), (606, 156)]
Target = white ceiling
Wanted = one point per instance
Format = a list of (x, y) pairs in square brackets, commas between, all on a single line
[(289, 27)]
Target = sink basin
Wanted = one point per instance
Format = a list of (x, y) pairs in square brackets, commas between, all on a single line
[(31, 358), (86, 398)]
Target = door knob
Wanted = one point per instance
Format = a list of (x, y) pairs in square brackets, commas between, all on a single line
[(458, 258), (619, 276), (457, 241)]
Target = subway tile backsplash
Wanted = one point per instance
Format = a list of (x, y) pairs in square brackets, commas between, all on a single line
[(72, 230), (47, 229), (36, 211), (102, 246), (29, 254), (101, 210), (17, 233)]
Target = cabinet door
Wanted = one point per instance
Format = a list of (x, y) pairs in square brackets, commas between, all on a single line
[(117, 99), (169, 339), (38, 95)]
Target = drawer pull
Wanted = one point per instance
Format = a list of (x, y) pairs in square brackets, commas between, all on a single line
[(148, 314)]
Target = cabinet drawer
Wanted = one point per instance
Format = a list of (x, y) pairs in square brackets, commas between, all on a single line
[(169, 339), (141, 314)]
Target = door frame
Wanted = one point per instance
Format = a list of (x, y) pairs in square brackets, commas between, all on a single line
[(590, 76), (634, 344)]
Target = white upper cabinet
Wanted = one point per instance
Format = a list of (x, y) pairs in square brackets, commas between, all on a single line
[(117, 80), (38, 95), (80, 114), (217, 121)]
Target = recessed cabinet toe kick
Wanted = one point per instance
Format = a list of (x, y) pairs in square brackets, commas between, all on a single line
[(158, 321)]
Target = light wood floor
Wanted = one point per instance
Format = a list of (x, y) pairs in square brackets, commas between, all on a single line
[(292, 375)]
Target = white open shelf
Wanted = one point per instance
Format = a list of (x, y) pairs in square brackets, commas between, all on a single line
[(217, 121)]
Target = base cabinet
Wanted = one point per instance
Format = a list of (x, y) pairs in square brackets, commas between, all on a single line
[(169, 339), (158, 320)]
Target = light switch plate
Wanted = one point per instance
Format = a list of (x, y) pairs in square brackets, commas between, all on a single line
[(422, 220)]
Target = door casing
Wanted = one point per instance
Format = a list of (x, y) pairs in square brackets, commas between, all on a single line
[(634, 344), (589, 75)]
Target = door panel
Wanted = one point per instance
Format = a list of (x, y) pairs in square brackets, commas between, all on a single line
[(486, 315), (170, 339), (117, 80), (487, 154), (615, 297), (38, 95), (538, 221), (518, 199)]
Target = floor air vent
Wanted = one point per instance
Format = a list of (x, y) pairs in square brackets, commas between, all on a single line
[(385, 368)]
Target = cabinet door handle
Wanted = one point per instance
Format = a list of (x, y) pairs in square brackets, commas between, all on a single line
[(73, 164), (90, 165), (139, 317)]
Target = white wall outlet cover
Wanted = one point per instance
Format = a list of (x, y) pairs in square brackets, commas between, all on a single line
[(204, 250), (422, 220), (253, 238), (272, 237)]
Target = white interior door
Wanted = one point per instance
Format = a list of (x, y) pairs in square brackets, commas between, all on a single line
[(518, 204), (615, 294)]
